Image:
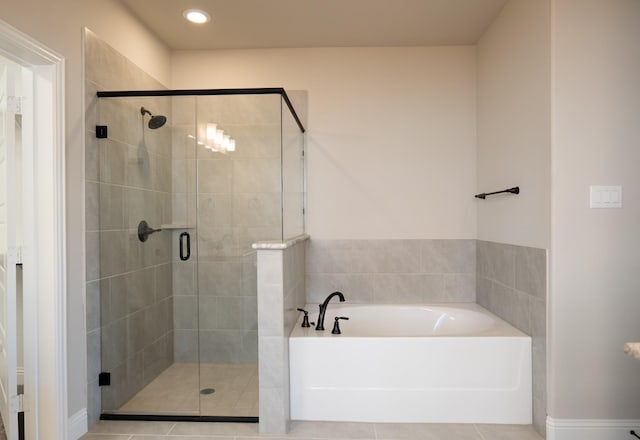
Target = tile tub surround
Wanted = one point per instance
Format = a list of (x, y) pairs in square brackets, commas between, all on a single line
[(512, 283), (508, 280), (392, 271), (128, 293)]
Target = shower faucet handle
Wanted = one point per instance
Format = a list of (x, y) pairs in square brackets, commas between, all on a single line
[(305, 319), (336, 325), (144, 230)]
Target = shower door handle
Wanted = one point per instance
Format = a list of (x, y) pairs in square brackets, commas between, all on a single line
[(184, 256)]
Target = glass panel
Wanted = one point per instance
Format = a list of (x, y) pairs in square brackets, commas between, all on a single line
[(292, 176), (183, 385), (238, 204), (136, 276)]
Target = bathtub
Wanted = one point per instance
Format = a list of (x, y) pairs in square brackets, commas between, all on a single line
[(449, 363)]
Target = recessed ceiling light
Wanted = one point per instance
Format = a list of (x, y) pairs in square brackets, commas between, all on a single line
[(196, 16)]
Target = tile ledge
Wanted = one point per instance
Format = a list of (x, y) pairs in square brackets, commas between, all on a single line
[(275, 244), (177, 226)]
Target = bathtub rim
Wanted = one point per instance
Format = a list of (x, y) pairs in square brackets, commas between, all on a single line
[(501, 328)]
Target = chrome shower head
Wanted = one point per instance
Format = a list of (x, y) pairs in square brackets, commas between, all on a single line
[(155, 121)]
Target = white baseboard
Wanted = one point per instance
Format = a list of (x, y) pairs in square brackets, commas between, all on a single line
[(591, 429), (78, 424)]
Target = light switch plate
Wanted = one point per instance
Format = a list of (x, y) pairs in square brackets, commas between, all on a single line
[(605, 196)]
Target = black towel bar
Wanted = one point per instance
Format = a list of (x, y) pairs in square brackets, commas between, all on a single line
[(514, 190)]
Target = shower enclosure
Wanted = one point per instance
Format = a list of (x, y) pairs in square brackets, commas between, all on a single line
[(188, 180)]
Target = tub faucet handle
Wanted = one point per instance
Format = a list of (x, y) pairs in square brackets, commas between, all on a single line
[(305, 318), (336, 325)]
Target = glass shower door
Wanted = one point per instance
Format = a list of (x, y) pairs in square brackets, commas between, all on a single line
[(184, 374), (142, 208), (239, 203)]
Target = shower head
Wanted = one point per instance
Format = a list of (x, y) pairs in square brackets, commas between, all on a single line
[(155, 121)]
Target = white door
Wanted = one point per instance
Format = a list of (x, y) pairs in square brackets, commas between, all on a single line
[(9, 255)]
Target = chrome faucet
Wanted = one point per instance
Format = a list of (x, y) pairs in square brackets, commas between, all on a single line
[(323, 309)]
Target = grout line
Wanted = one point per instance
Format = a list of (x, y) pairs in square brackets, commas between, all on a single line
[(475, 426)]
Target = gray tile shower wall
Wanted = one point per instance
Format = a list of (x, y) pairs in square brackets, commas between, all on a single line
[(392, 271), (128, 179), (512, 283), (223, 316)]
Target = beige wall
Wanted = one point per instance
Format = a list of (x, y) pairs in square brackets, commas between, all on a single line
[(391, 133), (595, 289), (59, 26), (514, 92)]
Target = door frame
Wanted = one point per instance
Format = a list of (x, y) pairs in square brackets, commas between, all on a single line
[(45, 337)]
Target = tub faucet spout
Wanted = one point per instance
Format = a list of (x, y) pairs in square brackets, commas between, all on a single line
[(323, 308)]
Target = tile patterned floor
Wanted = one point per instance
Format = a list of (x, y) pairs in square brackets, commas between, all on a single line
[(110, 430), (177, 391)]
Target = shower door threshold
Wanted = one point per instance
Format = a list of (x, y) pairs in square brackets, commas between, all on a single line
[(178, 418)]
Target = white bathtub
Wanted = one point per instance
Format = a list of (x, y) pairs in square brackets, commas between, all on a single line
[(453, 363)]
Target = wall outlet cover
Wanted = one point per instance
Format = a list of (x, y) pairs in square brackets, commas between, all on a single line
[(609, 196)]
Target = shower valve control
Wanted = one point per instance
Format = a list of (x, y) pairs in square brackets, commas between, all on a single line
[(305, 319)]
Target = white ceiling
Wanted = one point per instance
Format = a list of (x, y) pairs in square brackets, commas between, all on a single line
[(247, 24)]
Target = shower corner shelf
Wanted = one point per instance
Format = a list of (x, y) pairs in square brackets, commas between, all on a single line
[(178, 226)]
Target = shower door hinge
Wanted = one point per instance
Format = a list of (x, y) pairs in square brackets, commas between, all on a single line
[(14, 103), (16, 403), (104, 379), (101, 131)]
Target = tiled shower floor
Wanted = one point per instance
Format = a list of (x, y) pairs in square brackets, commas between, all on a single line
[(177, 391)]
